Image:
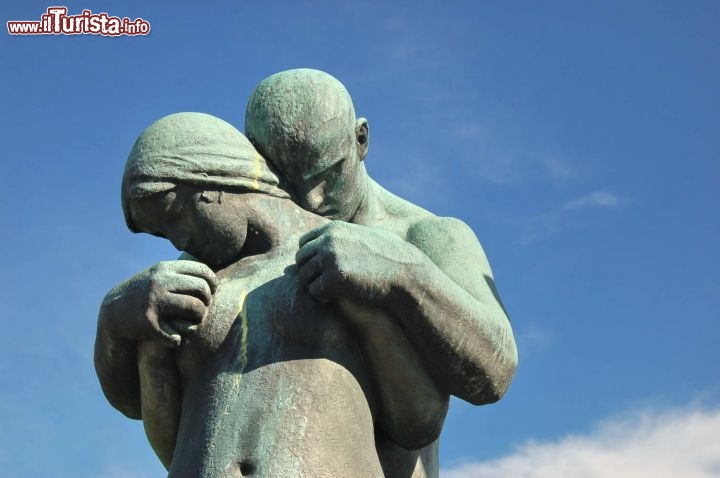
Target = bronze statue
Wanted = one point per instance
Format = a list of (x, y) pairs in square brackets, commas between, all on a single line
[(288, 342)]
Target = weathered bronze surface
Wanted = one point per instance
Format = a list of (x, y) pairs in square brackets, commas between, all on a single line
[(316, 324)]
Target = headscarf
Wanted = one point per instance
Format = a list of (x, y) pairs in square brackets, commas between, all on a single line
[(196, 149)]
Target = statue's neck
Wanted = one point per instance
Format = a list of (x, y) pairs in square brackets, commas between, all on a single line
[(275, 223), (370, 206)]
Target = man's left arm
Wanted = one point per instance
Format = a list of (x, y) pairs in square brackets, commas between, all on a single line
[(449, 304), (438, 286)]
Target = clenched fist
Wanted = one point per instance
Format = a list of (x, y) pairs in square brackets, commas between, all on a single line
[(160, 303)]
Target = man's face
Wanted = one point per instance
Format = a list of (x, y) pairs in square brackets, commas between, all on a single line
[(325, 180), (194, 222)]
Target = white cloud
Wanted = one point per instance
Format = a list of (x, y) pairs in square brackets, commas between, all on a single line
[(596, 199), (533, 338), (550, 222), (670, 444)]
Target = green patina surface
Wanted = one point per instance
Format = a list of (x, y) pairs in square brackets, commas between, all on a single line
[(316, 324)]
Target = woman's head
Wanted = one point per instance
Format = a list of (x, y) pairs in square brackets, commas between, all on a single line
[(197, 150), (174, 181)]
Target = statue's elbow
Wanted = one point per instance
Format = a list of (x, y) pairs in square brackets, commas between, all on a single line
[(415, 440), (419, 441), (127, 403), (496, 390), (130, 411), (488, 388), (504, 379), (489, 394), (414, 431), (128, 407)]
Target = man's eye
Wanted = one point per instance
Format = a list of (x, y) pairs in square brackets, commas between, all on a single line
[(338, 166)]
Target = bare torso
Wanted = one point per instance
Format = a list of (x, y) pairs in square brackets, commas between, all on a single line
[(274, 384), (260, 372)]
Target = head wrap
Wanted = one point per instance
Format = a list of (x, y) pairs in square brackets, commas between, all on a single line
[(195, 149)]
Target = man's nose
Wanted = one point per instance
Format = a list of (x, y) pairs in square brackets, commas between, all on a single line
[(315, 197)]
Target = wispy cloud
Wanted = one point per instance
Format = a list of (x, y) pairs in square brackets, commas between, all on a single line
[(549, 222), (669, 444), (596, 199), (532, 339)]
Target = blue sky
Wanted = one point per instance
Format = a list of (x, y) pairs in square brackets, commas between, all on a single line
[(579, 140)]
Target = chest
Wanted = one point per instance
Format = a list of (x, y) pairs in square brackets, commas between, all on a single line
[(262, 316)]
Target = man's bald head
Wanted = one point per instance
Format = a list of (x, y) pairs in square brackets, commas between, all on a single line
[(300, 113), (303, 121)]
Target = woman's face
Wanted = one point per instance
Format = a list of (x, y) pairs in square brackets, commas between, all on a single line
[(195, 221)]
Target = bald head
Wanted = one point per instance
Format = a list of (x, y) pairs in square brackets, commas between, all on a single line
[(303, 121), (298, 113)]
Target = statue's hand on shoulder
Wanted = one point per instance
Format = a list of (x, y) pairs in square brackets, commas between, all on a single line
[(160, 303), (350, 261)]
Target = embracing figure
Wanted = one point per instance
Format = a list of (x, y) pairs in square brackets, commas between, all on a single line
[(287, 343)]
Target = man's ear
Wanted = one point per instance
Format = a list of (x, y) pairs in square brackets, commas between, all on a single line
[(362, 137)]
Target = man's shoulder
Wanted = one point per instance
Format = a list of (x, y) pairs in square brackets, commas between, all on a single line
[(452, 246), (420, 225), (449, 231), (444, 224), (400, 212)]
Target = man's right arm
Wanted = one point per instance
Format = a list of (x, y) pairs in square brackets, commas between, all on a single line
[(158, 304), (116, 358)]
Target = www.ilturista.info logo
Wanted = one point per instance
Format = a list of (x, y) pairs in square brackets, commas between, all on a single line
[(57, 22)]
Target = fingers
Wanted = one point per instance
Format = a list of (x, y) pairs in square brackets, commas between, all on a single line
[(308, 251), (185, 307), (168, 335), (180, 294), (179, 315), (193, 286), (186, 277), (314, 234), (311, 269), (319, 289), (196, 269), (183, 326)]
